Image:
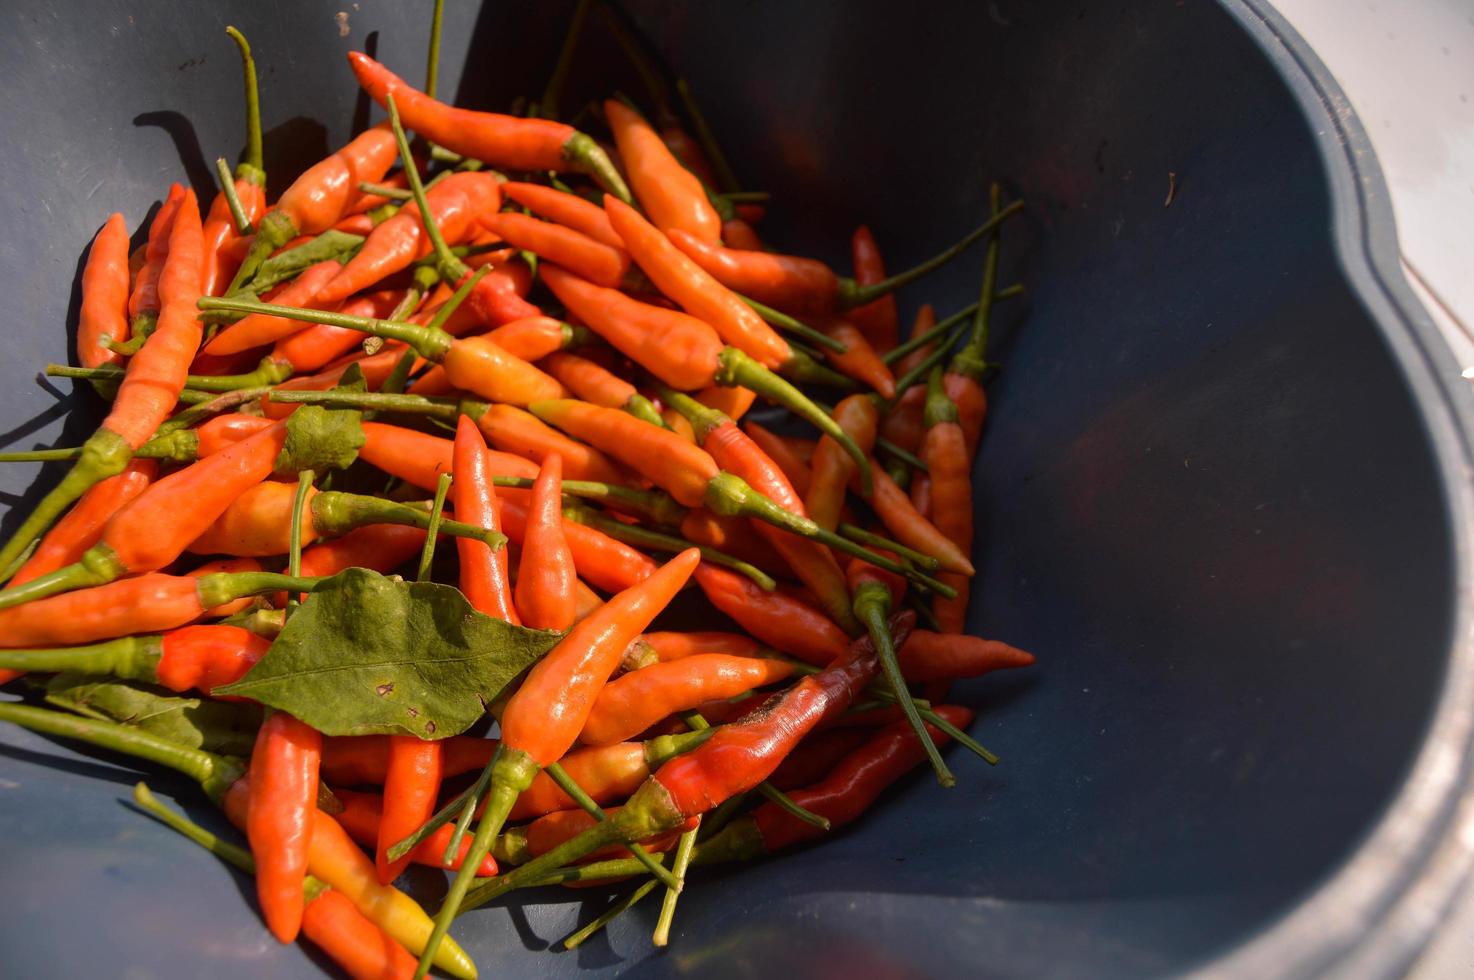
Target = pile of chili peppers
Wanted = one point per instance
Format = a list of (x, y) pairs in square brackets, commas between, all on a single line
[(561, 337)]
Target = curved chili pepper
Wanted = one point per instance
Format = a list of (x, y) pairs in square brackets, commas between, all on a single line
[(878, 320), (736, 453), (594, 383), (483, 571), (145, 604), (694, 290), (363, 816), (362, 949), (543, 718), (859, 360), (278, 819), (544, 593), (631, 703), (832, 467), (154, 528), (410, 787), (560, 826), (250, 184), (735, 759), (104, 314), (257, 330), (929, 656), (318, 198), (149, 390), (802, 285), (731, 536), (575, 251), (531, 338), (514, 430), (781, 452), (566, 209), (81, 528), (779, 621), (458, 203), (606, 563), (737, 233), (143, 300), (908, 527), (671, 194), (949, 478), (813, 758), (668, 646), (501, 141), (337, 861), (381, 547)]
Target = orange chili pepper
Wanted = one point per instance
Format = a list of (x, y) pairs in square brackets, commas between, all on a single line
[(694, 290), (363, 819), (903, 424), (531, 338), (104, 314), (483, 571), (832, 467), (671, 194), (410, 787), (667, 645), (510, 142), (516, 431), (566, 209), (781, 452), (739, 234), (631, 703), (362, 949), (81, 528), (731, 402), (457, 203), (143, 301), (279, 820), (879, 320), (545, 594), (778, 620), (319, 344), (606, 563), (573, 250), (944, 450), (375, 370), (859, 361), (908, 527), (259, 329)]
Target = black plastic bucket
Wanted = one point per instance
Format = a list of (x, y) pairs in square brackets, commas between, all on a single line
[(1224, 492)]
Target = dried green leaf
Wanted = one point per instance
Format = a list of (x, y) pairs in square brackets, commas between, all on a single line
[(228, 728), (320, 438), (370, 655)]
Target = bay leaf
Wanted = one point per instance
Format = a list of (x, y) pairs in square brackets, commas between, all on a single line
[(370, 655)]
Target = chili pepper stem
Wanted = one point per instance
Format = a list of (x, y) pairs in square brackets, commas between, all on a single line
[(269, 372), (335, 513), (512, 771), (213, 772), (871, 538), (99, 566), (586, 803), (104, 454), (736, 369), (133, 658), (972, 360), (587, 156), (233, 854), (851, 294), (432, 530), (251, 166), (687, 844), (577, 939), (232, 199), (451, 268), (648, 539), (783, 321), (274, 231), (442, 817), (432, 345)]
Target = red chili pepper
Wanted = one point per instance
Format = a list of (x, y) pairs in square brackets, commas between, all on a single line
[(606, 773), (375, 370), (929, 656), (739, 234), (815, 757), (381, 547), (779, 621), (878, 321), (510, 142), (671, 194), (363, 815), (944, 450), (606, 563), (362, 949), (630, 704), (104, 313), (575, 251), (410, 787), (457, 203), (859, 360), (552, 829), (566, 209), (545, 595), (279, 819), (220, 231), (207, 657), (832, 467), (361, 760), (903, 424), (694, 290), (731, 402), (483, 571)]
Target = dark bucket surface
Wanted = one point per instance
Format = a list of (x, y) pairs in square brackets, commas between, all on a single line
[(1220, 493)]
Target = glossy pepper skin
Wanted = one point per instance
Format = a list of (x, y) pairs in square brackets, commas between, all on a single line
[(780, 621), (362, 949), (279, 820), (671, 194), (411, 785), (483, 571), (545, 595), (104, 313), (362, 818), (509, 142), (832, 468), (573, 250), (81, 528), (632, 703), (567, 209)]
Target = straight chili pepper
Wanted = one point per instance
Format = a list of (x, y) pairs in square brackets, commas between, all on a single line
[(364, 759), (544, 717), (567, 209), (832, 467), (249, 185), (149, 390), (794, 466), (878, 320), (82, 526), (192, 657), (860, 360), (410, 787), (944, 449), (575, 251), (594, 383), (907, 526), (483, 571), (928, 656), (154, 528), (545, 592), (736, 759), (803, 285), (606, 773), (531, 338), (363, 819), (143, 300), (279, 817), (671, 194), (319, 345), (632, 703), (903, 424), (104, 313)]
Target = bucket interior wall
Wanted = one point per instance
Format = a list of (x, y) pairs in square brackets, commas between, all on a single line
[(1205, 499)]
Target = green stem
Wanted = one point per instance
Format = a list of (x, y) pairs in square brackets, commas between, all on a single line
[(725, 177), (937, 330), (230, 853), (922, 369), (672, 895), (384, 190), (909, 459), (335, 513), (432, 529), (275, 230), (653, 504), (923, 610), (442, 817), (609, 915), (851, 294), (547, 106), (133, 658), (451, 269), (804, 368), (294, 540), (783, 321), (269, 372), (232, 199), (586, 803), (643, 409), (330, 245), (584, 154), (730, 496), (873, 607), (196, 414), (432, 58), (432, 345), (972, 360), (251, 160), (104, 454), (98, 566), (213, 772), (222, 587), (857, 533), (737, 369), (468, 803), (654, 540)]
